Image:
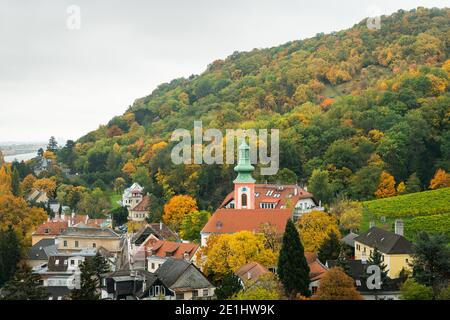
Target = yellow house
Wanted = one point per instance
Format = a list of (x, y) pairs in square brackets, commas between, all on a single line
[(85, 237), (395, 249)]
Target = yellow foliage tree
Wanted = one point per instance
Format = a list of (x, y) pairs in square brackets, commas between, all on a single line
[(386, 187), (129, 168), (336, 285), (441, 179), (314, 228), (401, 188), (351, 217), (27, 184), (5, 181), (227, 252), (177, 208), (49, 155), (47, 185), (14, 211)]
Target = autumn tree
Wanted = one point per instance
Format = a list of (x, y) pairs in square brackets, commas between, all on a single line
[(386, 187), (401, 188), (2, 159), (265, 288), (192, 224), (24, 285), (119, 185), (129, 168), (314, 227), (176, 210), (336, 285), (228, 252), (293, 268), (5, 181), (27, 184), (330, 248), (441, 179), (47, 185), (349, 215)]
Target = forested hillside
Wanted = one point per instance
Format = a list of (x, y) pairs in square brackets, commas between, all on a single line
[(352, 104)]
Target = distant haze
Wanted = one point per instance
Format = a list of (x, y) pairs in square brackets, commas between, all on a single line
[(62, 82)]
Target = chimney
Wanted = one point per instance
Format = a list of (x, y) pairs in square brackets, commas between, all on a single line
[(399, 227), (160, 225), (371, 224), (305, 188), (295, 190)]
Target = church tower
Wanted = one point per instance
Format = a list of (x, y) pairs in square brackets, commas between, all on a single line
[(244, 184)]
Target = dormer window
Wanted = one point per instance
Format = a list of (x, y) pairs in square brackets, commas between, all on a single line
[(47, 231), (219, 224)]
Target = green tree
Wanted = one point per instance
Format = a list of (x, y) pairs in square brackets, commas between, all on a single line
[(376, 259), (413, 184), (431, 261), (230, 286), (319, 185), (412, 290), (89, 283), (24, 285), (52, 145), (193, 223), (15, 182), (10, 254), (330, 248), (100, 266), (119, 216), (293, 268)]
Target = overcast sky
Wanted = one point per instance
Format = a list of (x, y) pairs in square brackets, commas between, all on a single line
[(56, 80)]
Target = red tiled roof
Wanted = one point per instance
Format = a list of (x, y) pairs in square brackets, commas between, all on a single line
[(288, 193), (54, 228), (316, 269), (251, 271), (235, 220), (143, 205), (176, 250)]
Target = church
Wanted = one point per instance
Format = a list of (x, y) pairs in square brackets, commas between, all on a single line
[(250, 206)]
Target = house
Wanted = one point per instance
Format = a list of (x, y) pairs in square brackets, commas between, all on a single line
[(175, 280), (159, 251), (349, 239), (128, 285), (36, 196), (82, 237), (225, 221), (48, 230), (61, 274), (39, 253), (316, 271), (132, 195), (158, 231), (356, 270), (184, 281), (250, 272), (141, 210), (250, 205), (395, 249)]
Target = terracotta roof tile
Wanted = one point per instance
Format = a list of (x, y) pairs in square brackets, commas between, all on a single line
[(235, 220), (51, 228), (176, 250), (143, 205)]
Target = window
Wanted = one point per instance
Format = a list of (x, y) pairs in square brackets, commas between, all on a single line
[(56, 262), (244, 199), (72, 262), (65, 262), (180, 296), (153, 265), (65, 243), (76, 244), (205, 292), (194, 294), (157, 291), (406, 260), (47, 230), (94, 245)]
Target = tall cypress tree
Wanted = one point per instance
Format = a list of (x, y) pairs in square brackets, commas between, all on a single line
[(15, 182), (89, 283), (293, 269), (10, 254)]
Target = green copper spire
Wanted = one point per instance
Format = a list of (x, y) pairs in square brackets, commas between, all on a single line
[(244, 167)]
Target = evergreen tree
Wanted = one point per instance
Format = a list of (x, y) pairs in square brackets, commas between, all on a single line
[(100, 266), (88, 283), (15, 182), (24, 285), (431, 263), (293, 269), (52, 145), (413, 184), (330, 248), (230, 286), (10, 254)]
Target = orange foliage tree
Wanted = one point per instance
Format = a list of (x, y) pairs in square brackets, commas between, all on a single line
[(5, 181), (47, 185), (27, 184), (386, 187), (441, 179), (336, 285), (177, 208)]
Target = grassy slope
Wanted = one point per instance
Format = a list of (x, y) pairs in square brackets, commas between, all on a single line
[(428, 211)]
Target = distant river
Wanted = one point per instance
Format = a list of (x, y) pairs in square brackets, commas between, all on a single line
[(21, 157)]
